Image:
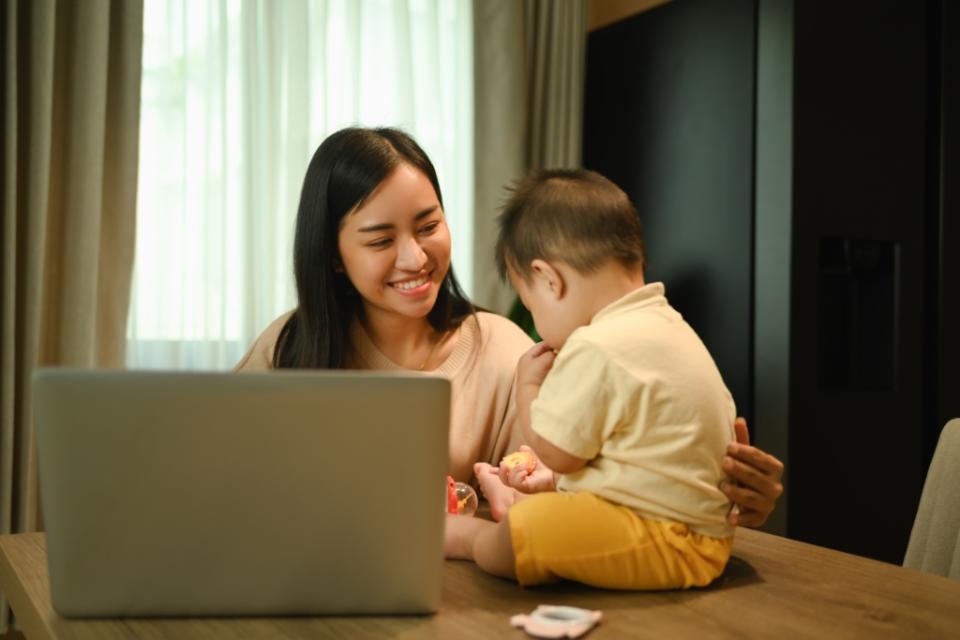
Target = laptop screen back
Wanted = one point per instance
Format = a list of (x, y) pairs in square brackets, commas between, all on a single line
[(250, 494)]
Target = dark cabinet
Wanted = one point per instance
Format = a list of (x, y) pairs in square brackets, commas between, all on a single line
[(792, 164)]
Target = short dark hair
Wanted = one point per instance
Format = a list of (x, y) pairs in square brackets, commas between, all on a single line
[(573, 216), (346, 168)]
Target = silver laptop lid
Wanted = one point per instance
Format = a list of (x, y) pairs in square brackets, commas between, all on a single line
[(252, 494)]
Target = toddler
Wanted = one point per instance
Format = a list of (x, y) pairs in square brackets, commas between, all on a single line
[(621, 401)]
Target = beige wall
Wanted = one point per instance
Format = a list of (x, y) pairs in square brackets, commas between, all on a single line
[(601, 13)]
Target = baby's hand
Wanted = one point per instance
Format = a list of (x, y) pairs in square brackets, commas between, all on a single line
[(533, 367), (523, 471), (522, 460)]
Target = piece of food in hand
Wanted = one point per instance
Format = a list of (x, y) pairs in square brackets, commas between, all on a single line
[(520, 459)]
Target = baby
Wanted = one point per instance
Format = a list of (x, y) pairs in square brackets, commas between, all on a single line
[(621, 404)]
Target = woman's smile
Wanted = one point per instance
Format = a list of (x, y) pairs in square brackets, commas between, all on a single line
[(416, 286)]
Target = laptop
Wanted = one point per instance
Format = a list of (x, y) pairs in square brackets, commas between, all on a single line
[(217, 494)]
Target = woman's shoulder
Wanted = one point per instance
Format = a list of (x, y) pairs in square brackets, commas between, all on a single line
[(501, 336), (260, 355)]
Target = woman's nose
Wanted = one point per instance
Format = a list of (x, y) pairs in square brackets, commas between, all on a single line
[(411, 256)]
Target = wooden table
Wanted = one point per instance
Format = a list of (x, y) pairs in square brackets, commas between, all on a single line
[(773, 588)]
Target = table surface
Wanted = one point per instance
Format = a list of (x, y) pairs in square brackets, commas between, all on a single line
[(773, 588)]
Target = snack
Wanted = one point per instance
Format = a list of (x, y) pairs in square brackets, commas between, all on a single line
[(520, 459)]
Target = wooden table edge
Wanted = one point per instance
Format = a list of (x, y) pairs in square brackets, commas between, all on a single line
[(29, 618)]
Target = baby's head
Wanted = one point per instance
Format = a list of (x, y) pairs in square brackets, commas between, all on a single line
[(566, 238)]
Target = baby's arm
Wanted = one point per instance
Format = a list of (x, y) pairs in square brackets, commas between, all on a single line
[(531, 371), (553, 456)]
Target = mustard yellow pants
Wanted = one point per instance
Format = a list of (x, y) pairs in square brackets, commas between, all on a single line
[(587, 539)]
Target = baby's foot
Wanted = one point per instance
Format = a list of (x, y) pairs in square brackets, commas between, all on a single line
[(499, 495)]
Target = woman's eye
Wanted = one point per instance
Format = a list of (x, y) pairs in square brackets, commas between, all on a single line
[(430, 227), (381, 243)]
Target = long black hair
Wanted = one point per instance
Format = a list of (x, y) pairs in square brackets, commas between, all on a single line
[(344, 170)]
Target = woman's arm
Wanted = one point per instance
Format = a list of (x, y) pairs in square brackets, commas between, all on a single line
[(757, 480)]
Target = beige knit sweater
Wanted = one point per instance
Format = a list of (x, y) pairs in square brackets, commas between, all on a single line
[(481, 371)]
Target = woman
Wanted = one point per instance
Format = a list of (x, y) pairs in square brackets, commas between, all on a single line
[(376, 291)]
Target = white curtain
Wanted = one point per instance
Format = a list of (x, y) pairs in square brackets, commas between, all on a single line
[(236, 96)]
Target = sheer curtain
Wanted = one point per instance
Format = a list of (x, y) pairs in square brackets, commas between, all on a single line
[(236, 96)]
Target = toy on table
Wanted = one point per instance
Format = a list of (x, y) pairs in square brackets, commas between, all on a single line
[(519, 459), (461, 498), (547, 621)]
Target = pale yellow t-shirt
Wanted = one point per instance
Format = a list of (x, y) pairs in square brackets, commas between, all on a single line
[(481, 370), (637, 394)]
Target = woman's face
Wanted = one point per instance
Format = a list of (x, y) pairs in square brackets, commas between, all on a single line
[(396, 247)]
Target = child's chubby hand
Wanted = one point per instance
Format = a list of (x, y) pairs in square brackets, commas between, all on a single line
[(523, 471), (534, 366)]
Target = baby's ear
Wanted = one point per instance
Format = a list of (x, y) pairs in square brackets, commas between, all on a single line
[(549, 277)]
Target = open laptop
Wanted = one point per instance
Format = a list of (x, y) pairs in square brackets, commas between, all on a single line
[(242, 494)]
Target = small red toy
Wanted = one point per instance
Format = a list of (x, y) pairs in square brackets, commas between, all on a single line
[(452, 496), (461, 498)]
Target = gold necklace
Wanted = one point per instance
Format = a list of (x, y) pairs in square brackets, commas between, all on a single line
[(432, 350)]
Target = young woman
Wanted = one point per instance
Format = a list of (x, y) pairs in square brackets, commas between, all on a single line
[(376, 291)]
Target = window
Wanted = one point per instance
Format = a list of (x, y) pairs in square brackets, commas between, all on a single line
[(236, 96)]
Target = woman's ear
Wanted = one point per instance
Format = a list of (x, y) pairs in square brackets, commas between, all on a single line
[(549, 277)]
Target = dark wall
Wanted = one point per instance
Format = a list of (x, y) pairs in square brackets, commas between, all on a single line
[(669, 118)]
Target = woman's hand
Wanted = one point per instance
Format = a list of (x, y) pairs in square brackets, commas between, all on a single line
[(757, 480)]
